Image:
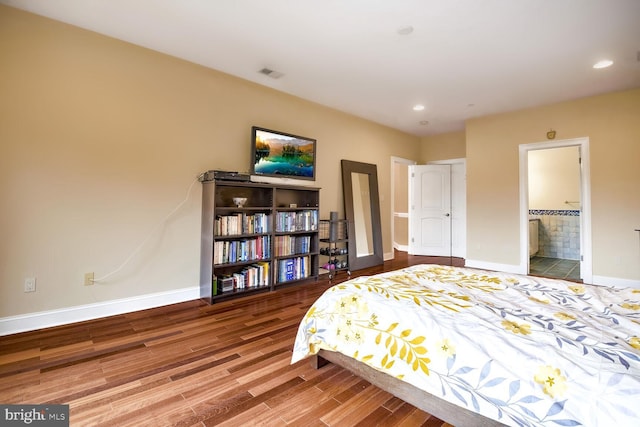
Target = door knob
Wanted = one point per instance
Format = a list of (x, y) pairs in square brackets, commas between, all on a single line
[(447, 214)]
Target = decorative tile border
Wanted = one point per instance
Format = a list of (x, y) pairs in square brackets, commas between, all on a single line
[(558, 212)]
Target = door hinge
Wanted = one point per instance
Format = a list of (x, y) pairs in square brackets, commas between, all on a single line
[(413, 175)]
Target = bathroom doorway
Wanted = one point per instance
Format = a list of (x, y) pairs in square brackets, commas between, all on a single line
[(554, 190)]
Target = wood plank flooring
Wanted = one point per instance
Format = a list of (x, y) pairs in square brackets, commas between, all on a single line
[(191, 364)]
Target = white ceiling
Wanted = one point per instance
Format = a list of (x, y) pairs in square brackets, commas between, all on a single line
[(464, 58)]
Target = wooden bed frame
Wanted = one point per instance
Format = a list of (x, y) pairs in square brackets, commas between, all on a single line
[(446, 411)]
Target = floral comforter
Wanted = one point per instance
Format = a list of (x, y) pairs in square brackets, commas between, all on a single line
[(522, 350)]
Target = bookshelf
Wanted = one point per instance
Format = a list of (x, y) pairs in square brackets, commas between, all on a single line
[(270, 241)]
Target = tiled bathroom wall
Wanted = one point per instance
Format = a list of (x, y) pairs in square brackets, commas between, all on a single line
[(558, 233)]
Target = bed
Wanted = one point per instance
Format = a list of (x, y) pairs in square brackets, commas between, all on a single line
[(485, 348)]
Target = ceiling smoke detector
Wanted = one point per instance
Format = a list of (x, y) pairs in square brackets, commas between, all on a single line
[(405, 31), (271, 73)]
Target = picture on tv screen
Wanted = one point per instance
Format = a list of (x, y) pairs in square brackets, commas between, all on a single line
[(279, 154)]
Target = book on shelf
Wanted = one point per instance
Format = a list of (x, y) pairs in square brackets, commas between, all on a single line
[(289, 269), (232, 251), (252, 276), (242, 223), (291, 245), (293, 268), (306, 220)]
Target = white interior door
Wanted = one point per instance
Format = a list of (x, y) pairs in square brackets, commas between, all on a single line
[(430, 210), (459, 209)]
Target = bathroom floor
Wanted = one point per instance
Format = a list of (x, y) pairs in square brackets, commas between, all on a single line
[(554, 267)]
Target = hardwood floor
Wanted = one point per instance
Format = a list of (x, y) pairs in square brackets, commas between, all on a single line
[(191, 364)]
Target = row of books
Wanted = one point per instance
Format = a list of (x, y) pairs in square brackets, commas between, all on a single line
[(242, 223), (242, 250), (306, 220), (294, 268), (253, 276), (291, 245)]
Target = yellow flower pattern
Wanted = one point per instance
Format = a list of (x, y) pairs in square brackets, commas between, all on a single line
[(553, 382), (577, 289), (540, 300), (436, 326), (349, 309), (517, 328), (564, 316), (446, 348)]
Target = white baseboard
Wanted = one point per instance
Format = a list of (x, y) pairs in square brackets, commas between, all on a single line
[(515, 269), (506, 268), (387, 256), (617, 282), (402, 248), (46, 319)]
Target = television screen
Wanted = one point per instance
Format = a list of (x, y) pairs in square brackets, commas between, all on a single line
[(282, 155)]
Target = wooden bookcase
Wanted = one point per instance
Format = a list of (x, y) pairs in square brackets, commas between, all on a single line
[(269, 242)]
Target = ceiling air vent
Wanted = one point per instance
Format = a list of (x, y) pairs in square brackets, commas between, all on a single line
[(271, 73)]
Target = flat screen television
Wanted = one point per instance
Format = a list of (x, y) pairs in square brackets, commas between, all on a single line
[(282, 155)]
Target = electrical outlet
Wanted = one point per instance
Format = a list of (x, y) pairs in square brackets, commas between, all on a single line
[(88, 279), (30, 284)]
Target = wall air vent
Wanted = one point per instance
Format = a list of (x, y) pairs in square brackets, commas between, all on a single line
[(271, 73)]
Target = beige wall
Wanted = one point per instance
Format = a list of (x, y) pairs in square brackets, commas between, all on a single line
[(101, 141), (445, 146), (554, 178), (611, 123)]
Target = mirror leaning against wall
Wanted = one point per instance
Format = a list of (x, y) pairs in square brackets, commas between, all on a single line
[(362, 211)]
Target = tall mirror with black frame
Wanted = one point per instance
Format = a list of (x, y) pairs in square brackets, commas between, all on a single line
[(362, 211)]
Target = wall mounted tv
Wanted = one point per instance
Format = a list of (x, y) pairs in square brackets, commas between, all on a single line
[(282, 155)]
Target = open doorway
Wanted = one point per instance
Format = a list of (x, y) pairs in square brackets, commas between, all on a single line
[(555, 209), (400, 203), (554, 212)]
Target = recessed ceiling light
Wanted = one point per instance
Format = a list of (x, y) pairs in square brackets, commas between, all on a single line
[(418, 107), (603, 64), (406, 30)]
